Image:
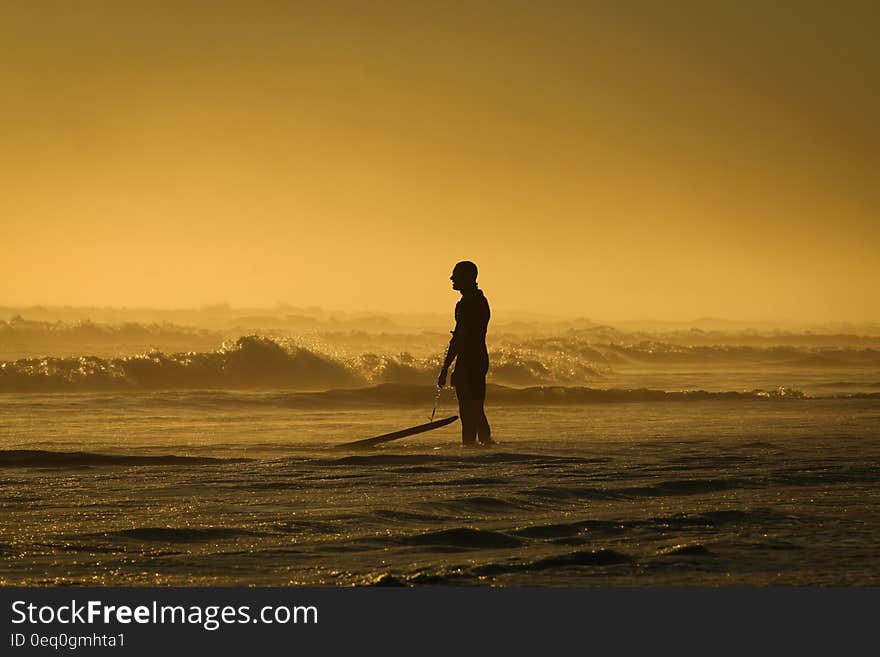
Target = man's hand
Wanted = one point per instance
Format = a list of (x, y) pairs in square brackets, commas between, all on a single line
[(441, 380)]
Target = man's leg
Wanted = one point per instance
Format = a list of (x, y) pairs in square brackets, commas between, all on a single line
[(469, 420), (483, 429)]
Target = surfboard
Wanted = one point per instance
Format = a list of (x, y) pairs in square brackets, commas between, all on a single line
[(403, 433)]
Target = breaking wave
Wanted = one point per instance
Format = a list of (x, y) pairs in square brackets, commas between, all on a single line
[(249, 362), (553, 371), (256, 362)]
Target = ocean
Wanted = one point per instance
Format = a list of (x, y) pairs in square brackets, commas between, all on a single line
[(586, 486)]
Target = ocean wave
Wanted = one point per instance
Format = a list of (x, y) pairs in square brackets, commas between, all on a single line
[(579, 558), (827, 474), (411, 395), (857, 395), (593, 526), (567, 529), (36, 458), (477, 504), (685, 487), (249, 362), (258, 362), (687, 550), (399, 515), (561, 493), (415, 395), (179, 534), (463, 537), (287, 374), (449, 461), (298, 363)]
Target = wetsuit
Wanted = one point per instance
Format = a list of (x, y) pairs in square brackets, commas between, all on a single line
[(468, 348)]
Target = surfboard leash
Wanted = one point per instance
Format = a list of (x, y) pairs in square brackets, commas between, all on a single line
[(439, 389), (436, 401)]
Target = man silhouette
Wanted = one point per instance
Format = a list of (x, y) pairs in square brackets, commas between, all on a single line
[(468, 349)]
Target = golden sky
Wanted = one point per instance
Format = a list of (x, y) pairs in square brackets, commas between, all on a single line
[(664, 160)]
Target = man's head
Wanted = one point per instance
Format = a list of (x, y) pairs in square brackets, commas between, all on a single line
[(464, 275)]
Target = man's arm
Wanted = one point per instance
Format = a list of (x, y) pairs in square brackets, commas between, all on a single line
[(456, 342), (451, 353), (466, 321)]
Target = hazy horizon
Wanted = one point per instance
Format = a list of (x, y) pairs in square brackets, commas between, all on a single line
[(442, 315), (601, 160)]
